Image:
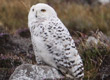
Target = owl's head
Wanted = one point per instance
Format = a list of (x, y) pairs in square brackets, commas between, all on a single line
[(41, 10)]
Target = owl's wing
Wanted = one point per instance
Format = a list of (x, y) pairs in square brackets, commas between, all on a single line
[(61, 45)]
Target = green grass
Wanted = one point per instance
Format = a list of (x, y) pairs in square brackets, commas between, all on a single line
[(93, 58)]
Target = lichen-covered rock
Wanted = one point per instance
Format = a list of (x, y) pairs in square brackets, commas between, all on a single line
[(34, 72)]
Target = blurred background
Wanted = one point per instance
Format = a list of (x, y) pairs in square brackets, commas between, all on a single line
[(87, 20), (77, 15)]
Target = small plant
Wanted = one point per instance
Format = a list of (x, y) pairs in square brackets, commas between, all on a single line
[(93, 54)]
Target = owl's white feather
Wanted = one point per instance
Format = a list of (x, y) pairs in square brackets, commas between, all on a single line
[(52, 41)]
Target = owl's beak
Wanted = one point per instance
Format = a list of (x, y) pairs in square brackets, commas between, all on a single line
[(36, 15)]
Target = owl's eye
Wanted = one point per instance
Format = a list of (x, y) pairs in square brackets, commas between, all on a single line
[(43, 10), (32, 9)]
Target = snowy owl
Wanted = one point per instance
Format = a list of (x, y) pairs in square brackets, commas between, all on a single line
[(52, 42)]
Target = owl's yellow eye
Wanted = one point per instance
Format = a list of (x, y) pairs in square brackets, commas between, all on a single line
[(43, 10)]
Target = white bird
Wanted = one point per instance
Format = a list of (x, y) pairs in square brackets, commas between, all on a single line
[(52, 41)]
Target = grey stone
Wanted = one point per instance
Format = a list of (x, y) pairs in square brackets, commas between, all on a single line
[(35, 72)]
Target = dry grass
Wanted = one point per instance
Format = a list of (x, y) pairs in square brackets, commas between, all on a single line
[(13, 14)]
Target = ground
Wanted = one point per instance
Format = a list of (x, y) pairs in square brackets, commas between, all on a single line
[(17, 49)]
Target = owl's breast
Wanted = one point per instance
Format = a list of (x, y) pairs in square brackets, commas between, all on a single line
[(37, 29), (38, 44), (41, 50)]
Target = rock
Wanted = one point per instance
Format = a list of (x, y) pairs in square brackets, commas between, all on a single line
[(91, 41), (34, 72), (104, 1), (98, 38)]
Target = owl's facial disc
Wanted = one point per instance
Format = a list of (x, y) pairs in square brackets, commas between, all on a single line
[(41, 10)]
